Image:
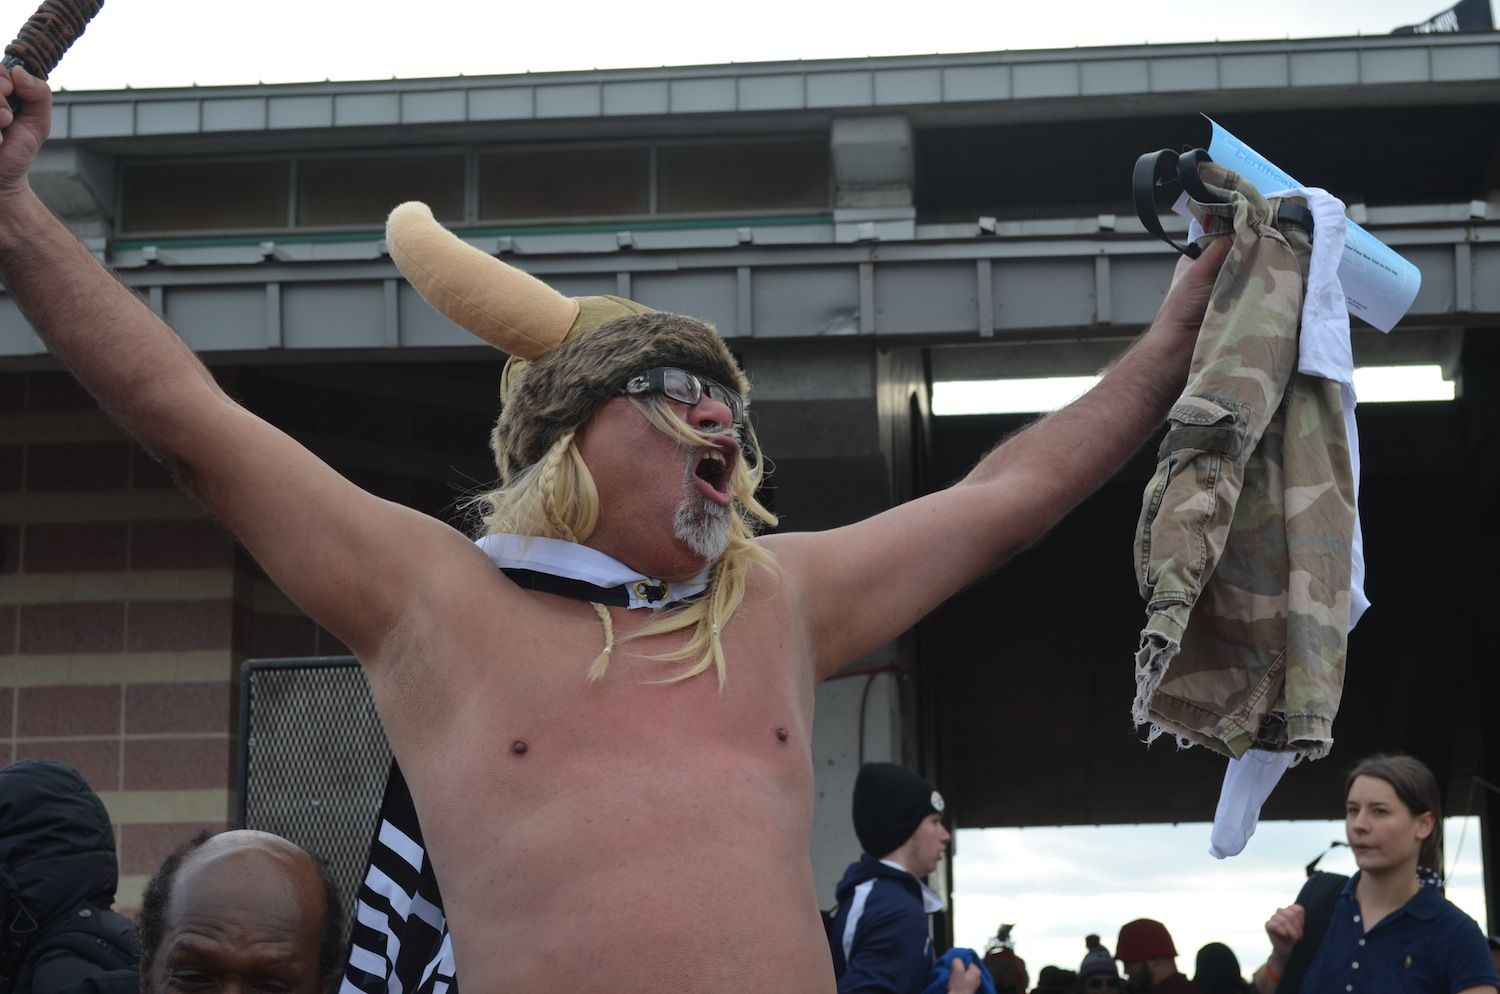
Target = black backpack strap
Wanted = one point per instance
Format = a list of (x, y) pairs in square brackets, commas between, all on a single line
[(1187, 174), (1155, 185), (1317, 897)]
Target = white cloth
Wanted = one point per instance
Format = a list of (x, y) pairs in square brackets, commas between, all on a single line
[(1248, 782), (1324, 350), (931, 903), (579, 562)]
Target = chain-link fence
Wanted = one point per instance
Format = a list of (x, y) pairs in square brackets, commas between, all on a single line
[(313, 759)]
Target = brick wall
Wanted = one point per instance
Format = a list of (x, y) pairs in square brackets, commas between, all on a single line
[(125, 612), (116, 622)]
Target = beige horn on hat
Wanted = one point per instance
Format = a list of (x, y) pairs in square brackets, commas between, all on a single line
[(511, 310)]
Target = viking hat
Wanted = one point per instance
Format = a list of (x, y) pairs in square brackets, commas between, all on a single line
[(568, 355)]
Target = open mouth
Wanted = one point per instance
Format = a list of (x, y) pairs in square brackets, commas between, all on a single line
[(713, 468)]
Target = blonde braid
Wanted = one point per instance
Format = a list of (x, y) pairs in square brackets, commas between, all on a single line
[(601, 662), (552, 465)]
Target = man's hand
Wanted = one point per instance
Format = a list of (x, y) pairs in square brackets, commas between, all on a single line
[(1192, 285), (962, 979), (1285, 929), (21, 134)]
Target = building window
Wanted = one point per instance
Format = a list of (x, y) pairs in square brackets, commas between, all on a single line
[(564, 183), (357, 191), (202, 196), (742, 176)]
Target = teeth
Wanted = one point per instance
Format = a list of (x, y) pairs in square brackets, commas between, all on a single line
[(715, 455)]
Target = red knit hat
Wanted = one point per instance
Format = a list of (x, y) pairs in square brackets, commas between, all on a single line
[(1144, 939)]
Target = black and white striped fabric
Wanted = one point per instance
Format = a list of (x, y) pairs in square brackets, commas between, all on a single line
[(400, 942)]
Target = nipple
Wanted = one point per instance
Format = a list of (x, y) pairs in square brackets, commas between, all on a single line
[(782, 734), (519, 747)]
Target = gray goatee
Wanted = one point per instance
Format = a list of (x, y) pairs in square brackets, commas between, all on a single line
[(699, 522)]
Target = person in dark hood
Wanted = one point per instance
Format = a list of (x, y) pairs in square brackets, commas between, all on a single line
[(1218, 971), (58, 934)]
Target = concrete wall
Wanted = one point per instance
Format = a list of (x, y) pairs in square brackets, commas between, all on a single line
[(836, 759)]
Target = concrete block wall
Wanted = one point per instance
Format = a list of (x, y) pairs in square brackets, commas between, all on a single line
[(117, 623), (126, 612)]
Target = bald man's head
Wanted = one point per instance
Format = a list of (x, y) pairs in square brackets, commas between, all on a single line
[(242, 907)]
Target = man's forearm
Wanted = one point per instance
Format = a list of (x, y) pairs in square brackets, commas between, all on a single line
[(1075, 450), (108, 338), (1063, 458)]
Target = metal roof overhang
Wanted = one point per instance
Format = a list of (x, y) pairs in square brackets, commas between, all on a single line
[(270, 296), (937, 89)]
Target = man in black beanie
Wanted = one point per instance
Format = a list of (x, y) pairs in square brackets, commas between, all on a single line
[(879, 937)]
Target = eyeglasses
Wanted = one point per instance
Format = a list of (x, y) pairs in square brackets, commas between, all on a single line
[(680, 385), (1103, 983)]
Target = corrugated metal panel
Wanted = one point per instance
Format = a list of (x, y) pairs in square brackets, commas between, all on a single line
[(1399, 66), (218, 318), (1268, 70), (976, 83), (782, 92), (102, 120), (235, 114), (1173, 75), (646, 97), (700, 96), (571, 100), (432, 107), (355, 109), (168, 117), (16, 336), (1461, 62), (1112, 76), (840, 89), (496, 103), (333, 315), (1335, 68), (300, 112), (908, 86), (1045, 79), (252, 297)]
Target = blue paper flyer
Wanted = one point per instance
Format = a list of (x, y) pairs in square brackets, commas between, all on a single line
[(1379, 284)]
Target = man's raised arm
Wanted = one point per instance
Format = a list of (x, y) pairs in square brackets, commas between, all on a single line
[(343, 555), (932, 547)]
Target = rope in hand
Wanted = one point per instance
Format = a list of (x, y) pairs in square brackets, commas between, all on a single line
[(47, 34)]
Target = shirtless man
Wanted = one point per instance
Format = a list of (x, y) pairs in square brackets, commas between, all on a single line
[(622, 834)]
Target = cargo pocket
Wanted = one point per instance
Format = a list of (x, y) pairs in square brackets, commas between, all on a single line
[(1201, 434)]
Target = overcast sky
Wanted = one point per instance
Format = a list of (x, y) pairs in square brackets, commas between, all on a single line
[(1059, 884), (1056, 884), (152, 43)]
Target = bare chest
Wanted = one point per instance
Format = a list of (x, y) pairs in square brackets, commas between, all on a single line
[(549, 801), (505, 700)]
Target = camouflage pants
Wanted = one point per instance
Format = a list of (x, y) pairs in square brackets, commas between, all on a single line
[(1248, 522)]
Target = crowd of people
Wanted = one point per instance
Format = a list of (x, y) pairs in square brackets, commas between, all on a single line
[(246, 910), (1145, 960), (1389, 927)]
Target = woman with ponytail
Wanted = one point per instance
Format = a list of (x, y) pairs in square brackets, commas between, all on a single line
[(1389, 927)]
